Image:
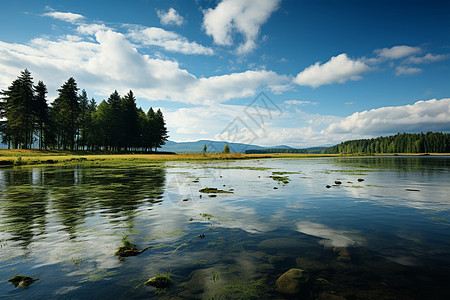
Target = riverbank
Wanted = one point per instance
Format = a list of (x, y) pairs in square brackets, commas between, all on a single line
[(38, 157)]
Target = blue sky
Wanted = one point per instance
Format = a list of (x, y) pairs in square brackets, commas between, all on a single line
[(329, 71)]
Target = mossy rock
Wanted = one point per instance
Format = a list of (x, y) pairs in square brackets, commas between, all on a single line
[(292, 281), (20, 280), (160, 281)]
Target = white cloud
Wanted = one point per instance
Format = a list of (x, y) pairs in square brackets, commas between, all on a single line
[(243, 16), (235, 85), (91, 29), (398, 52), (401, 70), (428, 58), (111, 62), (338, 69), (168, 40), (431, 115), (298, 102), (64, 16), (170, 17)]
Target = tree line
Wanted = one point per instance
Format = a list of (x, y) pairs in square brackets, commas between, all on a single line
[(73, 122), (275, 150), (430, 142)]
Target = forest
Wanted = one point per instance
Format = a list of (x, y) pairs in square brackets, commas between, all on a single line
[(73, 122), (430, 142)]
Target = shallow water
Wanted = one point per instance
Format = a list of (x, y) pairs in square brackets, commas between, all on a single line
[(387, 237)]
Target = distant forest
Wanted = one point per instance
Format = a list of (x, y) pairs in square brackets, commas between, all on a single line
[(73, 122), (430, 142), (284, 150)]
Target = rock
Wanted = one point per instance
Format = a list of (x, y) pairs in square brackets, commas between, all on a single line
[(328, 186), (292, 281), (160, 281), (337, 182), (20, 280), (360, 179), (275, 188)]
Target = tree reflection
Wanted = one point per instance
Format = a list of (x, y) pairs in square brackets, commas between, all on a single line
[(31, 199)]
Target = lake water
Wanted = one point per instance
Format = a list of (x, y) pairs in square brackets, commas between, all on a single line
[(386, 237)]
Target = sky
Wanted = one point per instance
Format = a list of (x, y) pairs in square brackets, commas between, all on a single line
[(265, 72)]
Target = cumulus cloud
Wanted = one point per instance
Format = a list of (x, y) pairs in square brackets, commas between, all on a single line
[(431, 115), (428, 58), (90, 29), (401, 70), (338, 69), (243, 16), (64, 16), (398, 52), (168, 40), (111, 62), (170, 17)]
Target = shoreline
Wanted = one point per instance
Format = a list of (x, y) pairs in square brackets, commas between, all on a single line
[(20, 157)]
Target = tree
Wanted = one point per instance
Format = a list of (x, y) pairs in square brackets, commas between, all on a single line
[(226, 149), (115, 130), (41, 112), (161, 130), (17, 108), (205, 148), (66, 114), (130, 120), (83, 120)]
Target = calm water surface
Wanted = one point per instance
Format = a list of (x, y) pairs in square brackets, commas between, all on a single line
[(387, 237)]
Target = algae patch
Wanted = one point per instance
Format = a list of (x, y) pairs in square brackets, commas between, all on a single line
[(20, 280), (208, 190)]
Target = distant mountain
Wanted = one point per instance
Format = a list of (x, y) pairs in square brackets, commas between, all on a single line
[(217, 146)]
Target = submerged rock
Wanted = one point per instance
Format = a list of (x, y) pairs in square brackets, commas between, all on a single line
[(20, 280), (292, 281)]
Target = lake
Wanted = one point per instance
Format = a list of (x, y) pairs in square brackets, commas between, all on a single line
[(383, 233)]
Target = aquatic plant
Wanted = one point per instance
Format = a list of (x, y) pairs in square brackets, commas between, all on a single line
[(254, 289), (205, 215), (160, 280), (283, 179), (208, 190), (215, 276), (128, 248), (20, 280)]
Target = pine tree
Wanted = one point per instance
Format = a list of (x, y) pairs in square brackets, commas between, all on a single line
[(130, 120), (41, 112), (66, 112), (161, 130), (17, 108)]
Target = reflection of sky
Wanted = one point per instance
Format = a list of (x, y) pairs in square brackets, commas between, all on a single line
[(374, 213)]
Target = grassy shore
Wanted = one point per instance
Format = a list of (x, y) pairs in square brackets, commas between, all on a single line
[(34, 157)]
